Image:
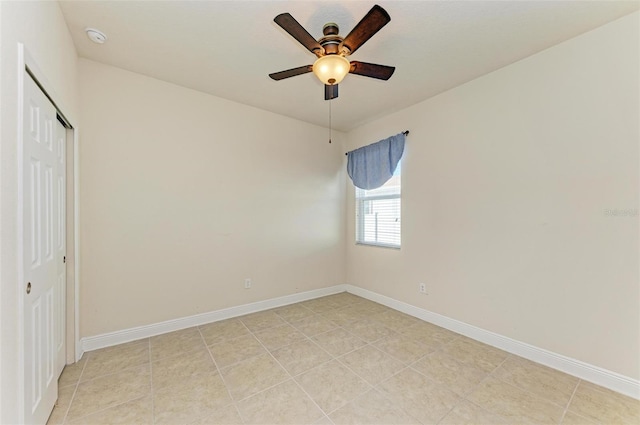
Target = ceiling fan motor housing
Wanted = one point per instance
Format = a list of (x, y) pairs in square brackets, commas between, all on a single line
[(331, 42)]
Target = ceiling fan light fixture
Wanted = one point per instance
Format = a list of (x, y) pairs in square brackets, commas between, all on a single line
[(331, 69)]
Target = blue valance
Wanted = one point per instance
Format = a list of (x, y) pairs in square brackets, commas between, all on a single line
[(371, 166)]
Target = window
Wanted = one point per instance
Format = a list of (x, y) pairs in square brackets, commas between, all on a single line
[(378, 213)]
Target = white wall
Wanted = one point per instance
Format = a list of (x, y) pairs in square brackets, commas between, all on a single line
[(41, 27), (184, 195), (506, 184)]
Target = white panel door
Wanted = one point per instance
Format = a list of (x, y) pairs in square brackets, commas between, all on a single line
[(43, 233)]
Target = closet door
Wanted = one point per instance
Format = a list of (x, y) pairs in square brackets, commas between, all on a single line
[(44, 235)]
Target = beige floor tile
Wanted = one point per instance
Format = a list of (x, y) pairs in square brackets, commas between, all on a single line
[(458, 377), (279, 336), (285, 403), (65, 395), (369, 330), (262, 320), (419, 396), (571, 418), (114, 359), (314, 325), (227, 415), (172, 370), (253, 375), (429, 334), (362, 304), (332, 385), (374, 344), (214, 333), (174, 343), (293, 312), (186, 333), (372, 364), (403, 348), (61, 407), (344, 316), (321, 305), (57, 416), (475, 353), (605, 406), (190, 400), (371, 306), (395, 320), (71, 373), (344, 299), (545, 382), (515, 404), (338, 341), (301, 356), (323, 421), (110, 390), (236, 350), (467, 413), (136, 412), (371, 408)]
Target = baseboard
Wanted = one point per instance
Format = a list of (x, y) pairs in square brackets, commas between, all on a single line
[(606, 378), (132, 334)]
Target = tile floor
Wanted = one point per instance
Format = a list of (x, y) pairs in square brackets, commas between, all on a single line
[(338, 360)]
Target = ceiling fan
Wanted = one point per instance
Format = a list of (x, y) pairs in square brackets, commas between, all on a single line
[(332, 50)]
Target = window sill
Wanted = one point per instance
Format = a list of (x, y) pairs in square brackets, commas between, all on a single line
[(379, 245)]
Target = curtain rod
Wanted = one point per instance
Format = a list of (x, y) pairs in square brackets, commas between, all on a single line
[(406, 133)]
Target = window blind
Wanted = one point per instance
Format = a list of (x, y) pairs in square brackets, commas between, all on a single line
[(378, 213)]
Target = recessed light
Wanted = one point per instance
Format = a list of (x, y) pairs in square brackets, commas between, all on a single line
[(95, 35)]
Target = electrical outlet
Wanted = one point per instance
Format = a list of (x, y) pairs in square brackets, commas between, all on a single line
[(422, 288), (247, 283)]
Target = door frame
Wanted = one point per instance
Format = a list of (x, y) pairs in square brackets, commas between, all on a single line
[(27, 65)]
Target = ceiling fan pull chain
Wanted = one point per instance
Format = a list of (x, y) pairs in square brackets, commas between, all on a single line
[(329, 120)]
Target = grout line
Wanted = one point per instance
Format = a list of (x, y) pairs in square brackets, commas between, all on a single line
[(464, 400), (290, 377), (220, 373), (463, 397), (500, 365), (531, 393), (371, 388), (114, 372), (566, 409), (98, 377), (275, 385), (332, 357), (92, 379), (75, 390), (112, 406)]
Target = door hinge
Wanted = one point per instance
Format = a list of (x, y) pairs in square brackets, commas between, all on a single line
[(64, 259)]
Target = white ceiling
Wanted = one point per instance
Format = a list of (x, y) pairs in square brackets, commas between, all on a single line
[(227, 48)]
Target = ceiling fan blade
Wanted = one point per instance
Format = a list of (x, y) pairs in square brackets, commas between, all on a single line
[(381, 72), (297, 31), (372, 22), (330, 92), (291, 72)]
